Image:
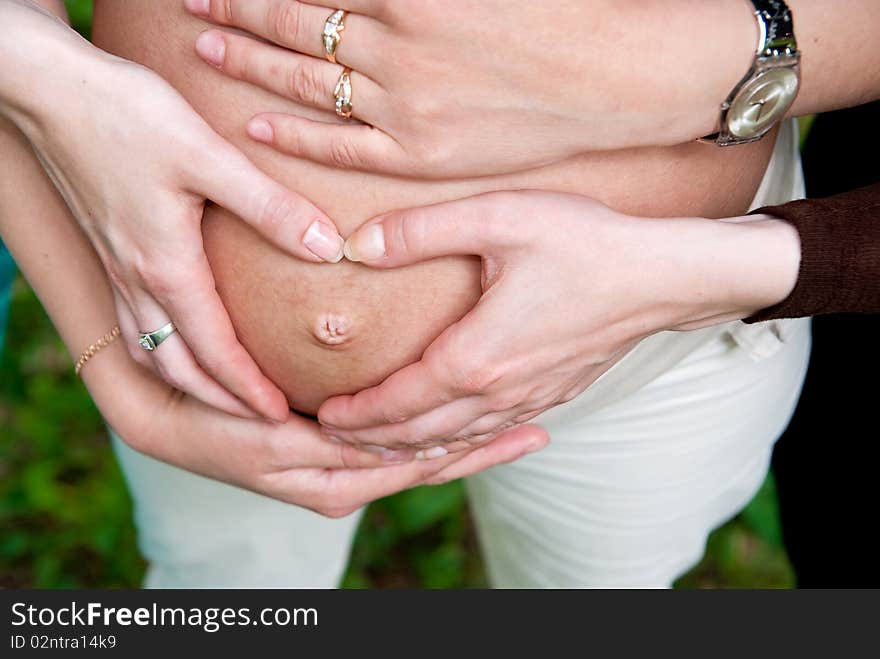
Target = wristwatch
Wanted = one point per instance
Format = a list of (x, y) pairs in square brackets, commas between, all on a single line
[(761, 99)]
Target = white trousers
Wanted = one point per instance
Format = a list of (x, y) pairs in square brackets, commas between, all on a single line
[(666, 446)]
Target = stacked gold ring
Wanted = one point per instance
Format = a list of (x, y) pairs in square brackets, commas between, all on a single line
[(342, 94), (330, 38), (332, 34)]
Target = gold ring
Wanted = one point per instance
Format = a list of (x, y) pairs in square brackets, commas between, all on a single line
[(332, 34), (342, 94)]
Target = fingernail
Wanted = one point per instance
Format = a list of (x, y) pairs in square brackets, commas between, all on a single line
[(396, 457), (260, 130), (388, 455), (536, 446), (366, 245), (323, 241), (200, 7), (211, 47), (431, 453)]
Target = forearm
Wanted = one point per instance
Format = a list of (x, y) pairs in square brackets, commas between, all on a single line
[(839, 65), (48, 245), (56, 7), (836, 239), (840, 62), (64, 271)]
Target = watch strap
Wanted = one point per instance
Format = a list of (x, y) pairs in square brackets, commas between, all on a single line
[(776, 28)]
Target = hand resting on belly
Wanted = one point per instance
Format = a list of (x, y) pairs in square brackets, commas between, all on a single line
[(317, 332), (284, 310)]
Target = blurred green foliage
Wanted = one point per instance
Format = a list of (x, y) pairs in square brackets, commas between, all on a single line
[(80, 12), (66, 517), (64, 512)]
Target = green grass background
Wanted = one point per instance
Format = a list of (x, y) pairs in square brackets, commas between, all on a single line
[(65, 515)]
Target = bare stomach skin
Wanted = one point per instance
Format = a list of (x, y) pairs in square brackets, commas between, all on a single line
[(322, 330)]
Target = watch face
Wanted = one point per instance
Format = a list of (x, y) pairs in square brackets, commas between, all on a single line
[(762, 102)]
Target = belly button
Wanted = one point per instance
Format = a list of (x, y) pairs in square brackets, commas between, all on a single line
[(331, 329)]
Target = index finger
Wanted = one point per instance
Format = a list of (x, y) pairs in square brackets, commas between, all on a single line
[(282, 216), (231, 448), (298, 444), (360, 487)]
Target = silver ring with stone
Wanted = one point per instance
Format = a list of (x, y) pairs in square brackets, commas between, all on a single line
[(149, 341)]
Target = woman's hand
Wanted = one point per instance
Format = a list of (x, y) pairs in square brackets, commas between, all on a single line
[(569, 286), (292, 462), (136, 165), (462, 88)]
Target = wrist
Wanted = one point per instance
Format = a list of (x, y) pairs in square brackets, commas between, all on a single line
[(42, 60), (773, 261), (726, 270), (131, 399), (755, 260), (701, 50)]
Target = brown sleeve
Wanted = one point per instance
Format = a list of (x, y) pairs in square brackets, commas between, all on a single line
[(840, 255)]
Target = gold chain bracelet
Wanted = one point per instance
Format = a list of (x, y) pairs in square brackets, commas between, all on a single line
[(96, 347)]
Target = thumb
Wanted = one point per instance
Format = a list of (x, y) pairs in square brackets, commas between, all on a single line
[(464, 227), (282, 216)]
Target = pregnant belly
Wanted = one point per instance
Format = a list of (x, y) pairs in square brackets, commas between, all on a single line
[(321, 330)]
